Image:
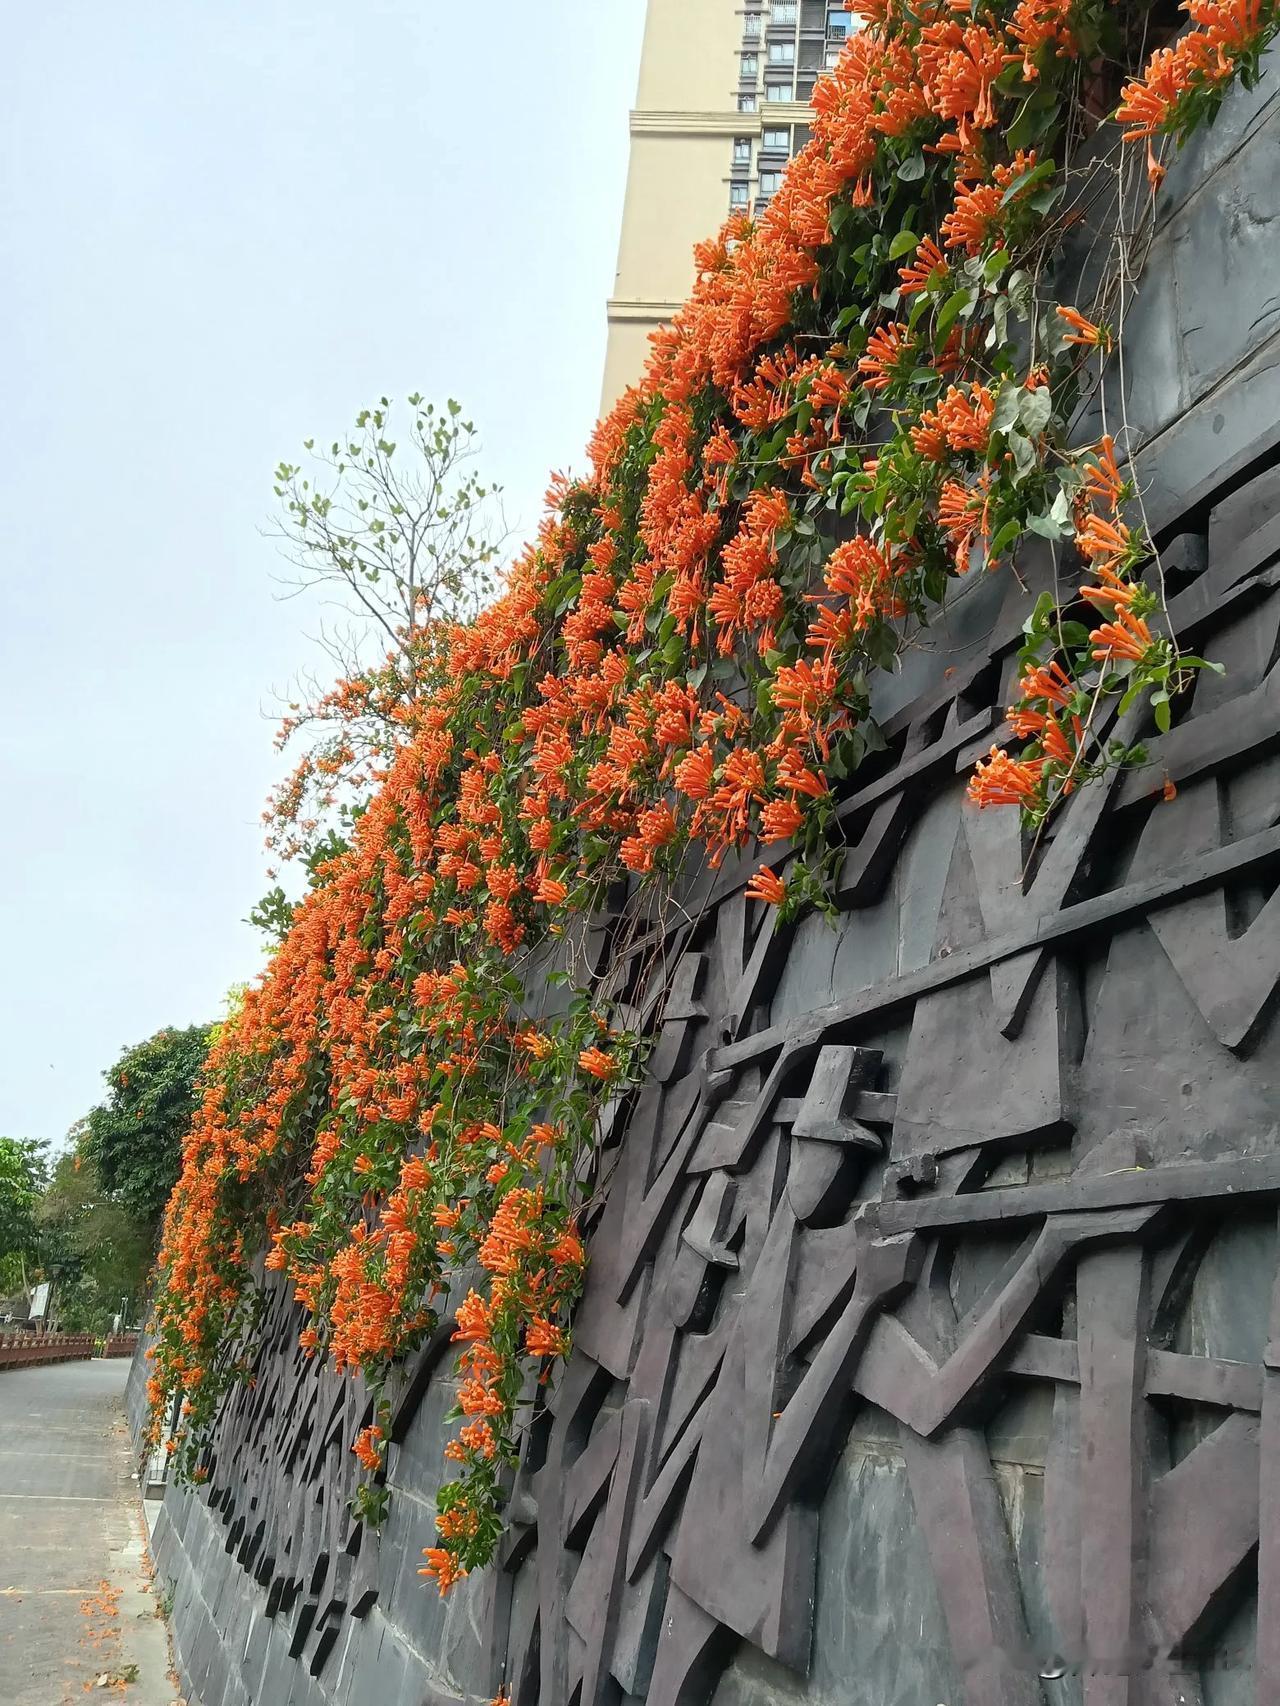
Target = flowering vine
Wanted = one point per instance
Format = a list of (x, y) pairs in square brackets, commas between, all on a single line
[(864, 400)]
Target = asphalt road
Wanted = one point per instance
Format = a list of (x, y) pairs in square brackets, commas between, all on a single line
[(75, 1601)]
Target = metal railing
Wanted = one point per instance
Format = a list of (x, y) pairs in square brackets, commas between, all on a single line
[(21, 1350)]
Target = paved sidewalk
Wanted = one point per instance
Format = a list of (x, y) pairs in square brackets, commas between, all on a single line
[(75, 1593)]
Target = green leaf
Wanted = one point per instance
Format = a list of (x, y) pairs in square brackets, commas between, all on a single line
[(1019, 289), (1042, 614), (1034, 409), (999, 322), (920, 306), (905, 243), (1006, 410), (1024, 181), (949, 313), (1044, 199), (1024, 454), (1129, 698), (910, 171), (1005, 536), (1038, 117)]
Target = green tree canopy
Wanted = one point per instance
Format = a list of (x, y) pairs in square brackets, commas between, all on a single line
[(95, 1250), (23, 1172), (134, 1138)]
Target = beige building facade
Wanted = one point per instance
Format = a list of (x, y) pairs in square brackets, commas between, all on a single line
[(722, 105)]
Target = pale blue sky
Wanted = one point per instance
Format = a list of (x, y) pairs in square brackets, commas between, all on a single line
[(223, 227)]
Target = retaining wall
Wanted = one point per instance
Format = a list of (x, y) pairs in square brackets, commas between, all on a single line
[(929, 1348)]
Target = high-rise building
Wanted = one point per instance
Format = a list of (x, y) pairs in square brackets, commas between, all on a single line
[(722, 106)]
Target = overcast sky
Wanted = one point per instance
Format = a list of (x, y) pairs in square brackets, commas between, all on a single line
[(223, 228)]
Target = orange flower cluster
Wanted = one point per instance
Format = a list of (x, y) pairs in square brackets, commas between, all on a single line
[(1230, 36), (1054, 701), (677, 666)]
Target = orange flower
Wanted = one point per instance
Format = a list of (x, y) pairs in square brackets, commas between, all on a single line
[(1047, 681), (781, 819), (567, 1250), (694, 773), (1038, 23), (973, 218), (472, 1320), (442, 1568), (478, 1437), (961, 422), (962, 513), (1084, 331), (888, 353), (793, 773), (1114, 594), (1103, 483), (1055, 744), (1003, 781), (478, 1398), (535, 1042), (1127, 637), (368, 1447), (541, 1339), (927, 264), (599, 1064), (1107, 544), (767, 886)]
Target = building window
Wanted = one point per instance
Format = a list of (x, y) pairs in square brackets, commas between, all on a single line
[(739, 195), (751, 26), (803, 136), (805, 87), (746, 103), (782, 53), (776, 141), (783, 12), (770, 183), (742, 150), (750, 65), (779, 92), (840, 24)]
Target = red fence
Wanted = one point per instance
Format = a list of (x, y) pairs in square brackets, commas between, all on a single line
[(120, 1345), (18, 1350)]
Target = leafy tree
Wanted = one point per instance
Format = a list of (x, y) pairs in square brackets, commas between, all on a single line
[(402, 540), (134, 1139), (23, 1172), (94, 1249)]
